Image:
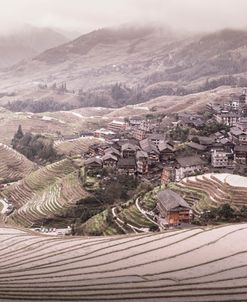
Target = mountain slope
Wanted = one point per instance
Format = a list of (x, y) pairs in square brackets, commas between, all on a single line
[(13, 165), (47, 192), (26, 43), (114, 67)]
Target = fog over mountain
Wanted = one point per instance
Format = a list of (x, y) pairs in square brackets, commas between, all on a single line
[(27, 42), (113, 53), (85, 16)]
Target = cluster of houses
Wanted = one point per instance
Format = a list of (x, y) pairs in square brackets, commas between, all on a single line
[(232, 149), (138, 146), (146, 156), (143, 147)]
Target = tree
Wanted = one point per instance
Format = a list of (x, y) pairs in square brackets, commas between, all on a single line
[(243, 211), (225, 211), (19, 133)]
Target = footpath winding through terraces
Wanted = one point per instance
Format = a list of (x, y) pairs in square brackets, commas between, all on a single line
[(176, 266)]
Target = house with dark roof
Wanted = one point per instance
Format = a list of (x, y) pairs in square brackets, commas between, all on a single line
[(234, 134), (172, 207), (240, 154), (188, 165), (113, 151), (198, 148), (142, 162), (167, 151), (129, 150), (126, 166), (243, 138), (109, 160), (191, 120), (151, 149), (206, 140), (93, 163)]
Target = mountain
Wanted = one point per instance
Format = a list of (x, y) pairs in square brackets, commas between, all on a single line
[(113, 67), (26, 43)]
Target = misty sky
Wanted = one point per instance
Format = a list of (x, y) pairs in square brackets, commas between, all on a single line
[(86, 15)]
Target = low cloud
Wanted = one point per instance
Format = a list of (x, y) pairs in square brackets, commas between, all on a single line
[(84, 15)]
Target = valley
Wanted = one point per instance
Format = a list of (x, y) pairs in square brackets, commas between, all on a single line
[(123, 165)]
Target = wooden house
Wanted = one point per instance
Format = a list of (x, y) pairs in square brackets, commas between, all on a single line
[(109, 160), (142, 162), (152, 150), (93, 163), (172, 207), (129, 150), (126, 166), (167, 151), (240, 154), (188, 165)]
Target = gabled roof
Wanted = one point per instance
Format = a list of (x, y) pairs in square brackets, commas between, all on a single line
[(128, 146), (236, 131), (141, 154), (148, 146), (112, 150), (93, 160), (171, 200), (109, 156), (204, 140), (224, 141), (126, 162), (165, 145), (218, 134), (188, 161), (196, 146)]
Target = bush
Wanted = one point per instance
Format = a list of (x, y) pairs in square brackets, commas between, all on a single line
[(34, 147)]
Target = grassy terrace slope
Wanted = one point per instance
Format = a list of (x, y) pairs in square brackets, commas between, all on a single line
[(13, 165), (46, 192), (75, 146), (130, 217), (176, 266), (217, 189)]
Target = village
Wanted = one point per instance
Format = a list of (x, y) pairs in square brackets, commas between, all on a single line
[(163, 153), (162, 149), (173, 147)]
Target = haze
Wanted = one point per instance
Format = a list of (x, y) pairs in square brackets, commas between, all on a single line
[(83, 16)]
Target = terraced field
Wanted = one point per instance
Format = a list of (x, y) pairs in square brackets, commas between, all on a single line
[(134, 216), (75, 146), (100, 225), (46, 192), (13, 165), (218, 189), (176, 266)]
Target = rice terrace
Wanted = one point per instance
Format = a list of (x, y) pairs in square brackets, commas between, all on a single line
[(123, 151)]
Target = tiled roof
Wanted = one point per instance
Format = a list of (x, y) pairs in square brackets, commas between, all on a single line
[(171, 200)]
